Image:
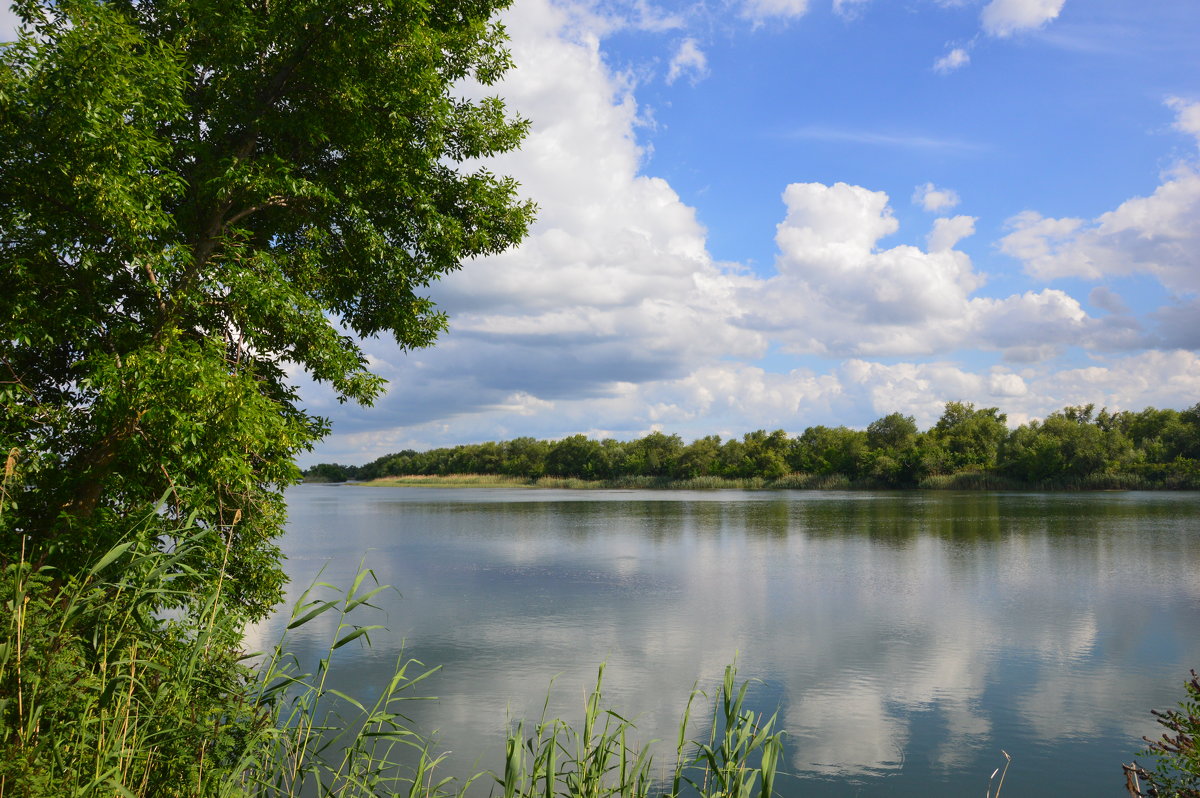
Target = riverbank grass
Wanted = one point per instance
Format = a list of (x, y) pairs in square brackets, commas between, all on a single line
[(788, 482)]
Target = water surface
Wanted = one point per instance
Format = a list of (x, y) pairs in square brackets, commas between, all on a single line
[(904, 638)]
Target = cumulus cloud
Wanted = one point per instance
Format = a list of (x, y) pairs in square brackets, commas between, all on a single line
[(1177, 325), (1157, 235), (688, 60), (838, 293), (728, 399), (1105, 298), (955, 59), (1005, 17), (949, 231), (1188, 116), (934, 199), (1152, 378)]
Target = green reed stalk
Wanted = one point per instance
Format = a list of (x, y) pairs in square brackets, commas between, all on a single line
[(598, 761)]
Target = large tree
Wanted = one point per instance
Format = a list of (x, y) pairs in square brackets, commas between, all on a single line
[(199, 198)]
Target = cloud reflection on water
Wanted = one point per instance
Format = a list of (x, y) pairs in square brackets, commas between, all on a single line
[(898, 633)]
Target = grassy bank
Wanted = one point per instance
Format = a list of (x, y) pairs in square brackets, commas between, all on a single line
[(791, 481), (965, 480), (452, 481)]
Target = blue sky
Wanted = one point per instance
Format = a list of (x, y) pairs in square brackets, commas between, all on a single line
[(779, 213)]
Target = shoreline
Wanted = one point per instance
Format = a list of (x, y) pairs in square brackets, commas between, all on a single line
[(963, 481)]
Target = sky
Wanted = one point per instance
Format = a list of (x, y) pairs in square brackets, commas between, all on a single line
[(764, 214), (771, 214)]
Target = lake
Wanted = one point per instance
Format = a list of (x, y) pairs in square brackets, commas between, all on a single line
[(904, 638)]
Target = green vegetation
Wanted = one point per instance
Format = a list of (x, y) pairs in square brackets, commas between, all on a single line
[(967, 449), (198, 196), (739, 758)]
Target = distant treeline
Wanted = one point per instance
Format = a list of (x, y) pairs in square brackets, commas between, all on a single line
[(968, 448)]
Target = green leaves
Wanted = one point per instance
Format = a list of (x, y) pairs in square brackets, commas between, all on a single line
[(198, 196)]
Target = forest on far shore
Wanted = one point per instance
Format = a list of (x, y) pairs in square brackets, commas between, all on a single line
[(969, 447)]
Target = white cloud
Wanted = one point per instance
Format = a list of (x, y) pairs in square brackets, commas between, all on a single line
[(1005, 17), (1005, 385), (1107, 299), (1157, 235), (729, 399), (761, 10), (949, 231), (837, 293), (1188, 116), (903, 140), (955, 59), (1132, 382), (688, 60), (935, 199)]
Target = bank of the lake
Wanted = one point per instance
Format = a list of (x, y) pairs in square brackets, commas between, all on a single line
[(961, 481), (793, 481)]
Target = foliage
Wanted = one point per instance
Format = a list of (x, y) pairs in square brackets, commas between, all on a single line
[(893, 432), (328, 472), (198, 197), (317, 740), (100, 696), (1065, 444), (968, 448), (970, 437), (1176, 753)]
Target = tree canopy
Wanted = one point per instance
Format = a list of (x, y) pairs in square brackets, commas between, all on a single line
[(199, 197), (967, 447)]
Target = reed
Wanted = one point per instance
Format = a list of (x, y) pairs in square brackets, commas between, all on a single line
[(738, 758), (102, 695), (969, 480), (452, 481), (316, 740), (805, 481)]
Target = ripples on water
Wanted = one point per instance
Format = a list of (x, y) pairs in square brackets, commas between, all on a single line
[(904, 638)]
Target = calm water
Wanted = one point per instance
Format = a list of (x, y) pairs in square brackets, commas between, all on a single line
[(904, 638)]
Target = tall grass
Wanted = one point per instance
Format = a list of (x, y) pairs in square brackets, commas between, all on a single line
[(453, 481), (318, 740), (101, 695), (738, 759)]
